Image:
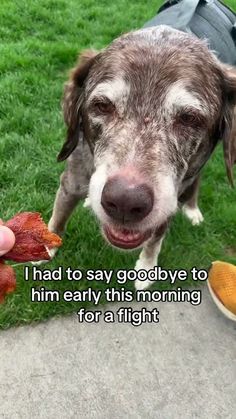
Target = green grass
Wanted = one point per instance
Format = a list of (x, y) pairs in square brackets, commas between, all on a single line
[(39, 44)]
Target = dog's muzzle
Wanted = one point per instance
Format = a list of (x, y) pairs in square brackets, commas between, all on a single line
[(126, 201)]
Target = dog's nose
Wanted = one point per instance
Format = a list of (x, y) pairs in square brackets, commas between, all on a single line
[(126, 201)]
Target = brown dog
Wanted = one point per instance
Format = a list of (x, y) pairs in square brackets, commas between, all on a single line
[(143, 117)]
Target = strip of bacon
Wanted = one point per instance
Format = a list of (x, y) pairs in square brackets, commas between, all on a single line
[(33, 242), (7, 280)]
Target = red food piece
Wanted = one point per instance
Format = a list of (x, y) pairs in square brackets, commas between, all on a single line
[(33, 240), (7, 280)]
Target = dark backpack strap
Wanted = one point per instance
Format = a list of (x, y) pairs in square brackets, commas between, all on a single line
[(234, 33)]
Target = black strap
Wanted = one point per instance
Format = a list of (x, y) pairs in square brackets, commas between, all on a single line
[(234, 33)]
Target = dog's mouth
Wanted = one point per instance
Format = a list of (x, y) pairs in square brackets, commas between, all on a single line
[(125, 238)]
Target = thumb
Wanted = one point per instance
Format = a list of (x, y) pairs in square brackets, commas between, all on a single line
[(7, 239)]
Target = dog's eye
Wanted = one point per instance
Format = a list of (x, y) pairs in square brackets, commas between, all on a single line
[(190, 119), (103, 107), (186, 118)]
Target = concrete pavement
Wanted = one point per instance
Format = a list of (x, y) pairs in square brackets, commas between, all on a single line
[(182, 367)]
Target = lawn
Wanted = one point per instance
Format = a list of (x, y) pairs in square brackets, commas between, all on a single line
[(39, 44)]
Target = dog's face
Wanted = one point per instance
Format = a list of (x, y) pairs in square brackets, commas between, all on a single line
[(153, 106)]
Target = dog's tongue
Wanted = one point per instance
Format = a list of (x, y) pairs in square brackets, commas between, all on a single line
[(121, 237)]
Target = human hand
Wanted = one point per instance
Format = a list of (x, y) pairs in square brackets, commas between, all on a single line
[(7, 239)]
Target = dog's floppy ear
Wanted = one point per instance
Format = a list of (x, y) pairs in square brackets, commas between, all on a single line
[(72, 101), (228, 119)]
